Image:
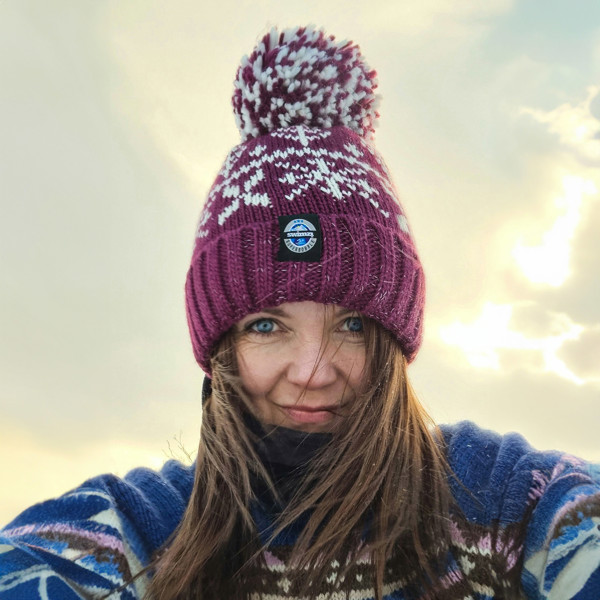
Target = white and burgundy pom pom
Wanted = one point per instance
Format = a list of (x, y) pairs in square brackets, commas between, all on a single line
[(302, 77)]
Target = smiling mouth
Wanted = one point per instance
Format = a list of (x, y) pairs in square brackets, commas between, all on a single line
[(306, 414)]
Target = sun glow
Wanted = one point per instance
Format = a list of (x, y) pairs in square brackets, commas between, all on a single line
[(548, 262), (483, 340)]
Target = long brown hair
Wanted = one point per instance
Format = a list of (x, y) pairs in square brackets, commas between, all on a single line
[(385, 466)]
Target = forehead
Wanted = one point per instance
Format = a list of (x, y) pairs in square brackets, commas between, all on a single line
[(305, 309)]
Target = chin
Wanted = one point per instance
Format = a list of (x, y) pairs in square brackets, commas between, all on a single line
[(276, 421), (310, 428)]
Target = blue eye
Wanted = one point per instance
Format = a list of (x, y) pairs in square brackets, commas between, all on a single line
[(263, 326), (354, 324)]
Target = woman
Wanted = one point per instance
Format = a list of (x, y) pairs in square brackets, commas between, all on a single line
[(318, 474)]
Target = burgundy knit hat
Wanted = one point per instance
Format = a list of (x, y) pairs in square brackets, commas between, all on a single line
[(304, 208)]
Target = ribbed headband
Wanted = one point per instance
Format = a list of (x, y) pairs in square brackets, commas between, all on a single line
[(304, 208)]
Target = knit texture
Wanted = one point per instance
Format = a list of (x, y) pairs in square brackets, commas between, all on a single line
[(369, 262), (300, 76), (305, 108), (526, 515)]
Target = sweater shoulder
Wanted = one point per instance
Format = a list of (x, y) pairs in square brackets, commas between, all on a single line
[(494, 476), (95, 537), (142, 490)]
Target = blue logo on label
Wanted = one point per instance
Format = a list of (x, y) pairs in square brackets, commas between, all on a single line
[(300, 236)]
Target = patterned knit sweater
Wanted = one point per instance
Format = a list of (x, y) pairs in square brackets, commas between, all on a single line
[(527, 516)]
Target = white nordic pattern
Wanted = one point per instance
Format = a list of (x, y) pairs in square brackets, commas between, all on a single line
[(305, 165)]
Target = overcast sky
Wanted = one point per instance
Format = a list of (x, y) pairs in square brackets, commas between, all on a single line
[(115, 117)]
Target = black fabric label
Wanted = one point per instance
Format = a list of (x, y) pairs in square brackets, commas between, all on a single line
[(300, 238)]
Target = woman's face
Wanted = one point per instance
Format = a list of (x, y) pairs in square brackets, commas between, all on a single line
[(301, 363)]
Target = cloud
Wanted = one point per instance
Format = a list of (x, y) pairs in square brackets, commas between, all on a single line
[(509, 336), (576, 125), (548, 262), (595, 107), (582, 355), (557, 249), (534, 321)]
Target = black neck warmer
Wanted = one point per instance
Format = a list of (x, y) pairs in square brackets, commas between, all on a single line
[(286, 454), (287, 447)]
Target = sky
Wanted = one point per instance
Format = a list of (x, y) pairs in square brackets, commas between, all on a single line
[(115, 118)]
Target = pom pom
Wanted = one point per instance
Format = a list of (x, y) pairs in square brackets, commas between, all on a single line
[(302, 77)]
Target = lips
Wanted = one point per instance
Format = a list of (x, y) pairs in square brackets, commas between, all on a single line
[(310, 414)]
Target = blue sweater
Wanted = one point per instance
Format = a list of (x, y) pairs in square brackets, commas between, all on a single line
[(89, 541)]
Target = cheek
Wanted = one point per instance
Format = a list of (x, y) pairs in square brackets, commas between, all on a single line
[(257, 367), (356, 374)]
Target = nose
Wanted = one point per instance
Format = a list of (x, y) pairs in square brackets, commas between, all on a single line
[(312, 366)]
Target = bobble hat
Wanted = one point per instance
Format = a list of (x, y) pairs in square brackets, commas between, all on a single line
[(304, 207)]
